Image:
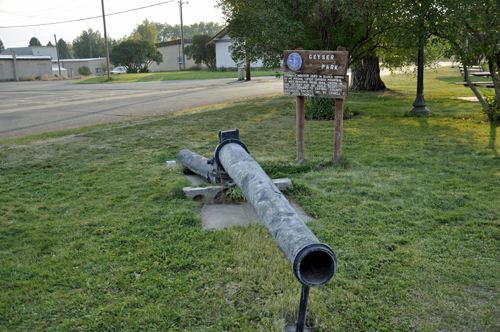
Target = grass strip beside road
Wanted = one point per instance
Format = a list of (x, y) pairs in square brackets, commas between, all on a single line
[(96, 235), (171, 76)]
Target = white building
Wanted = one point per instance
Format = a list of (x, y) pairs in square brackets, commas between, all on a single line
[(97, 66), (33, 51), (224, 48), (172, 54), (13, 68)]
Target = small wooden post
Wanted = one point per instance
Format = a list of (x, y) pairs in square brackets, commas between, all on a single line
[(301, 120), (339, 124)]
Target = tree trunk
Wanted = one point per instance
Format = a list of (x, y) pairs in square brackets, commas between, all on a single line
[(366, 75), (474, 89), (248, 68), (495, 78)]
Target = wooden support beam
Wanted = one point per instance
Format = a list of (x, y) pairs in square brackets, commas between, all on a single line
[(301, 120)]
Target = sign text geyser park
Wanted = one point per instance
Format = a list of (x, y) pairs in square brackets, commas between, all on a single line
[(316, 73)]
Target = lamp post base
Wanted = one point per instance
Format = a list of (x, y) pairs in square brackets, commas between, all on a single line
[(292, 327), (419, 106), (420, 111)]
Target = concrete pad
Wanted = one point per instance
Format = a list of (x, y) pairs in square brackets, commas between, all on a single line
[(472, 99), (211, 192), (196, 180), (200, 192), (221, 216)]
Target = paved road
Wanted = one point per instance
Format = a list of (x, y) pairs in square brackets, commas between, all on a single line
[(28, 108)]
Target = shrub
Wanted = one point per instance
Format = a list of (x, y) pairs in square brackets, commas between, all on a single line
[(324, 109), (84, 71), (222, 69), (53, 77), (195, 68), (494, 114), (27, 78)]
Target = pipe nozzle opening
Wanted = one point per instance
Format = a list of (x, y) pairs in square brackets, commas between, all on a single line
[(315, 265)]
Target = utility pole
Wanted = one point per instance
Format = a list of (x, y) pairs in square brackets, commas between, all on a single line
[(105, 39), (57, 51), (90, 42), (182, 36)]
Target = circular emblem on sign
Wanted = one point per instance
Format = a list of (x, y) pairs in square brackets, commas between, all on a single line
[(294, 61)]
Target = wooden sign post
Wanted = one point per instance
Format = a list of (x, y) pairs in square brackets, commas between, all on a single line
[(317, 74)]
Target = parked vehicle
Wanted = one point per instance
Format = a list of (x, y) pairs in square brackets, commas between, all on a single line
[(119, 70)]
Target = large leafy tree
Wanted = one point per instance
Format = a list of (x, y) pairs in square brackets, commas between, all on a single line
[(473, 31), (201, 53), (263, 29), (34, 42), (2, 48), (90, 44), (137, 55), (145, 31), (415, 25)]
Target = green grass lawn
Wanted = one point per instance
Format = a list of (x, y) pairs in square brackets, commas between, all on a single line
[(95, 234), (171, 76)]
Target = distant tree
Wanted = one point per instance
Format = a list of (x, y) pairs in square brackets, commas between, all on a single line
[(49, 43), (83, 48), (64, 51), (2, 48), (200, 52), (202, 28), (166, 31), (145, 31), (112, 43), (70, 48), (34, 42), (137, 55)]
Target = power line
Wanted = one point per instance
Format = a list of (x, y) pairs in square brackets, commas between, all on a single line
[(88, 18)]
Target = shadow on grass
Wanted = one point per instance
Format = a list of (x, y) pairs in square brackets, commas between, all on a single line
[(493, 138), (450, 79)]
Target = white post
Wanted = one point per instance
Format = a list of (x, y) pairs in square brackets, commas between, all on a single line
[(57, 52), (105, 40), (15, 65), (182, 38)]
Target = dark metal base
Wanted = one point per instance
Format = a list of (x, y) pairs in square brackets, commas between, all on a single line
[(419, 106), (420, 111), (292, 327)]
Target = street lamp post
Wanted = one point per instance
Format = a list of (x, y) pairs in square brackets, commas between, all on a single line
[(419, 103)]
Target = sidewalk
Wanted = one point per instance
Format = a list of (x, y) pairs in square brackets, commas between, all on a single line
[(386, 72)]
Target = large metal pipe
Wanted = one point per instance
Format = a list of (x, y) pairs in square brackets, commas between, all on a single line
[(197, 164), (314, 263)]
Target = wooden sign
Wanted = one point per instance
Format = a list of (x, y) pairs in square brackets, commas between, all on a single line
[(314, 85), (317, 74), (316, 62)]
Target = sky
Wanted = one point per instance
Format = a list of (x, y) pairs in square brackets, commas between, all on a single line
[(32, 14)]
